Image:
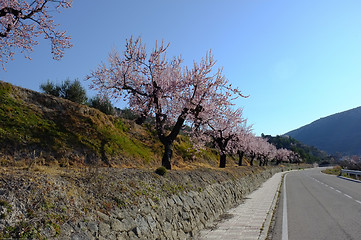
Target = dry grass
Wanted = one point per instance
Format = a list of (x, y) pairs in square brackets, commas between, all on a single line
[(336, 170)]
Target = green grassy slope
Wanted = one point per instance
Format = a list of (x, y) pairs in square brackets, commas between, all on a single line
[(35, 125)]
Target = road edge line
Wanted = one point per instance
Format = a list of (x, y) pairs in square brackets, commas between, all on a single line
[(284, 217)]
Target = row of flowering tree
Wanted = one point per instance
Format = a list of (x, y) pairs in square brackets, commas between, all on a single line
[(176, 96), (231, 135)]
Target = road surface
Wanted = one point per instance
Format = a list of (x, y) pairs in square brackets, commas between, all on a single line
[(318, 206)]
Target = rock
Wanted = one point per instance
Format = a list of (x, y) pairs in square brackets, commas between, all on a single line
[(132, 235), (128, 224), (118, 213), (66, 230), (82, 226), (171, 202), (182, 235), (80, 236), (142, 226), (151, 222), (137, 232), (144, 210), (167, 229), (185, 215), (104, 229), (177, 200), (93, 227), (152, 203), (103, 217), (116, 225), (174, 235), (102, 238), (121, 236)]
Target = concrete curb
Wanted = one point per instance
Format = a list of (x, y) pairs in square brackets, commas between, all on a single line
[(267, 223), (264, 233)]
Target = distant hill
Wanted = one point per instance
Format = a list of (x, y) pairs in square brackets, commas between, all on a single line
[(337, 133)]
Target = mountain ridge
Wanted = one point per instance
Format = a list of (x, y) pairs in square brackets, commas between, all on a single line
[(336, 133)]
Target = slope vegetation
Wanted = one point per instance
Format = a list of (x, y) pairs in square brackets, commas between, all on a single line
[(41, 127)]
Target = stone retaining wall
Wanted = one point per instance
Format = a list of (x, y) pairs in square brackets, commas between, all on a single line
[(177, 217)]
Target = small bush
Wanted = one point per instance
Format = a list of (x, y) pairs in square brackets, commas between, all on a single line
[(162, 171), (102, 104), (126, 113), (71, 90), (51, 88)]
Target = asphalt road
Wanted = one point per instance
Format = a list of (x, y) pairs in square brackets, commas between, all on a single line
[(319, 206)]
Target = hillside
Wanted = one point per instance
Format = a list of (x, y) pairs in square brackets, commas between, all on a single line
[(337, 133), (36, 127)]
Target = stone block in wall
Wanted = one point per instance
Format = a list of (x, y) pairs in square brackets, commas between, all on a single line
[(104, 229), (116, 225)]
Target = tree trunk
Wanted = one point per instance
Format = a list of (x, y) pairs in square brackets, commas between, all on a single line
[(265, 163), (168, 151), (168, 140), (222, 160), (240, 155), (251, 162)]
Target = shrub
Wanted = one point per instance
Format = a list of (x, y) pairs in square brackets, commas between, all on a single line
[(126, 113), (102, 104), (162, 171), (51, 88), (71, 90)]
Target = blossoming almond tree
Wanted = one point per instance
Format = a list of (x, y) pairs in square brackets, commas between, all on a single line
[(241, 141), (161, 88), (267, 151), (253, 148), (282, 155), (222, 126), (21, 21)]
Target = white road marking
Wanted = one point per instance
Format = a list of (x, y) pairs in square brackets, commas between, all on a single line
[(284, 219), (347, 195)]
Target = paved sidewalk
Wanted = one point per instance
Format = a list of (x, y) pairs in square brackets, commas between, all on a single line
[(252, 218)]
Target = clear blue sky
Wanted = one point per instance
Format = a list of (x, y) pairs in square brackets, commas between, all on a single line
[(298, 60)]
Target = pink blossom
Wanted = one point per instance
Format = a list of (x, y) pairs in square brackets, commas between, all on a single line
[(22, 21)]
